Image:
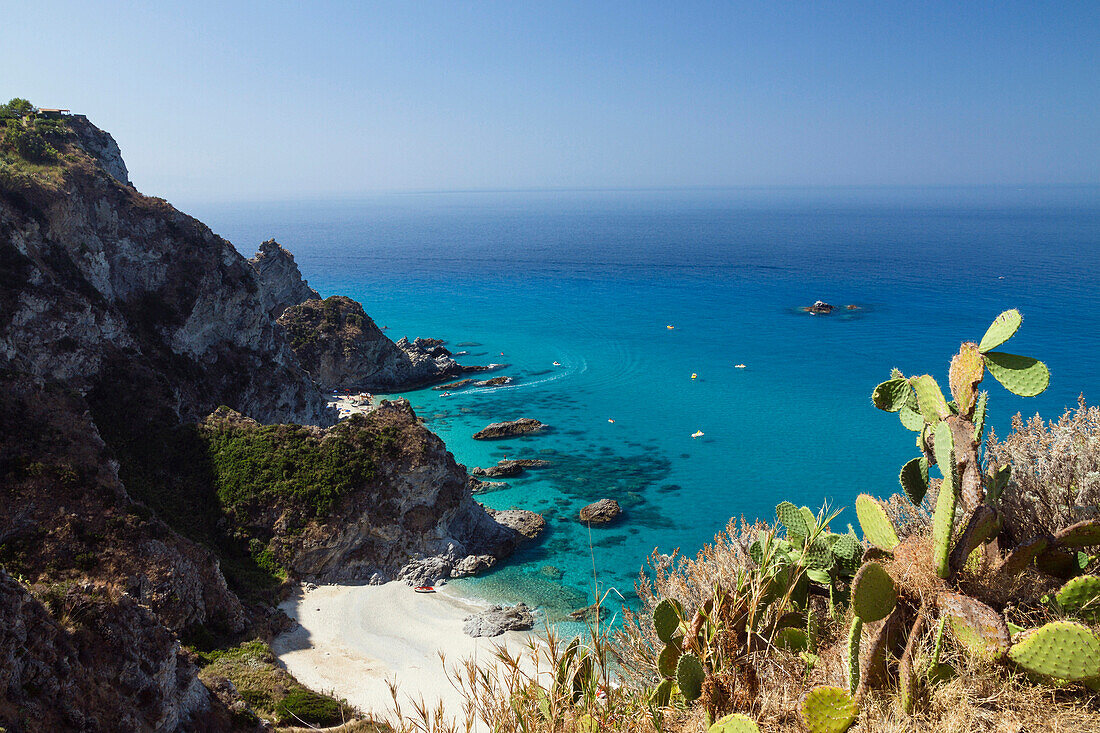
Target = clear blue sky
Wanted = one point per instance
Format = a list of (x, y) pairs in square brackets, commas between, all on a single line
[(256, 100)]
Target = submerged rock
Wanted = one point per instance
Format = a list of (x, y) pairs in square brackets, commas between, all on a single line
[(603, 511), (496, 620), (509, 428), (819, 307), (453, 385), (509, 468)]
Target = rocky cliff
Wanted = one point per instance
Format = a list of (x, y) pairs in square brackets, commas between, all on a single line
[(343, 349), (280, 279)]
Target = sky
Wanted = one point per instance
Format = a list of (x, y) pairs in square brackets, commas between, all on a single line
[(252, 101)]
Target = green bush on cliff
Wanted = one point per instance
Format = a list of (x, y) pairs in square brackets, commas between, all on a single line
[(286, 461)]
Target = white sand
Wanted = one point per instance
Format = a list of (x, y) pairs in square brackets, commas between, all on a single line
[(352, 639)]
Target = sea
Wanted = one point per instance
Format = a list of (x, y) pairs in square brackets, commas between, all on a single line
[(623, 317)]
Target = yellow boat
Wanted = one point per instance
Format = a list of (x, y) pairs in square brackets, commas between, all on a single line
[(694, 375)]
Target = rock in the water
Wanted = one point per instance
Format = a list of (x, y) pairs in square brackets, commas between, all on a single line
[(478, 486), (280, 279), (819, 307), (494, 382), (601, 512), (498, 619), (509, 428), (472, 565), (453, 385), (509, 468), (588, 613)]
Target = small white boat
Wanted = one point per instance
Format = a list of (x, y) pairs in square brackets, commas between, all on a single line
[(697, 434), (610, 420), (739, 366), (557, 363), (670, 327)]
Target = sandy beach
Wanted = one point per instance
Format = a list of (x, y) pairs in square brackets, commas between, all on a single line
[(352, 640)]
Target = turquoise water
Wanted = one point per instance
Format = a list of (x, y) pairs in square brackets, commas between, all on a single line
[(592, 280)]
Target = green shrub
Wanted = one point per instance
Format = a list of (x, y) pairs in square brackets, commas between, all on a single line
[(303, 706)]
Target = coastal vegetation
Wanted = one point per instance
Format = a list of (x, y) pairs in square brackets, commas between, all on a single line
[(965, 602)]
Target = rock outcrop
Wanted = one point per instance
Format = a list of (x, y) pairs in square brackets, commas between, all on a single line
[(603, 511), (509, 428), (509, 467), (343, 349), (280, 279), (405, 511), (495, 620)]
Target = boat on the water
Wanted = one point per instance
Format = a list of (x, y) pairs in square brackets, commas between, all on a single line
[(424, 589)]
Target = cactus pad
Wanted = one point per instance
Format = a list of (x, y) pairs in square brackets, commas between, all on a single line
[(666, 618), (736, 723), (689, 676), (1081, 597), (828, 710), (1083, 534), (943, 519), (1020, 375), (1001, 330), (967, 370), (977, 627), (1060, 649), (930, 398), (911, 419), (668, 659), (792, 639), (914, 479), (980, 527), (792, 519), (877, 527), (662, 694), (979, 415), (891, 395), (873, 593), (1022, 555)]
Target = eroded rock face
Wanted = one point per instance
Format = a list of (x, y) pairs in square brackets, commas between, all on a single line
[(280, 279), (105, 288), (115, 668), (343, 349), (509, 428), (101, 146), (412, 517)]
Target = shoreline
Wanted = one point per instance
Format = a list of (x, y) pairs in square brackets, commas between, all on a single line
[(352, 640)]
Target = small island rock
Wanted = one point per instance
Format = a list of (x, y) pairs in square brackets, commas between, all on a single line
[(601, 512), (509, 468), (509, 428)]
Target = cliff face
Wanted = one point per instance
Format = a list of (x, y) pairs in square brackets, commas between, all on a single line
[(343, 349), (280, 279), (101, 283)]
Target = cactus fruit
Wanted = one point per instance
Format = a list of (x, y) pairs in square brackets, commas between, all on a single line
[(1060, 649), (891, 395), (736, 723), (1002, 329), (828, 710), (1081, 597), (873, 593), (1083, 534), (977, 627), (914, 479), (967, 370), (877, 527), (979, 415), (793, 520), (1020, 375), (689, 676), (662, 694), (666, 618), (930, 401)]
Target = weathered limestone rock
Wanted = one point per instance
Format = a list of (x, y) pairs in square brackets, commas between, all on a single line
[(280, 279), (495, 620), (509, 428), (508, 468), (603, 511)]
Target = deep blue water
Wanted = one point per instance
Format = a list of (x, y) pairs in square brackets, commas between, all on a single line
[(591, 280)]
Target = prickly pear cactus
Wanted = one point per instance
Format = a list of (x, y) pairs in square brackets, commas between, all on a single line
[(689, 676), (1080, 597), (1061, 649), (792, 639), (943, 519), (666, 618), (855, 636), (914, 479), (847, 553), (1020, 375), (930, 400), (828, 710), (662, 694), (1002, 329), (873, 593), (792, 518), (1083, 534), (877, 527), (892, 394), (668, 659), (736, 723), (977, 627), (979, 416), (967, 370)]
